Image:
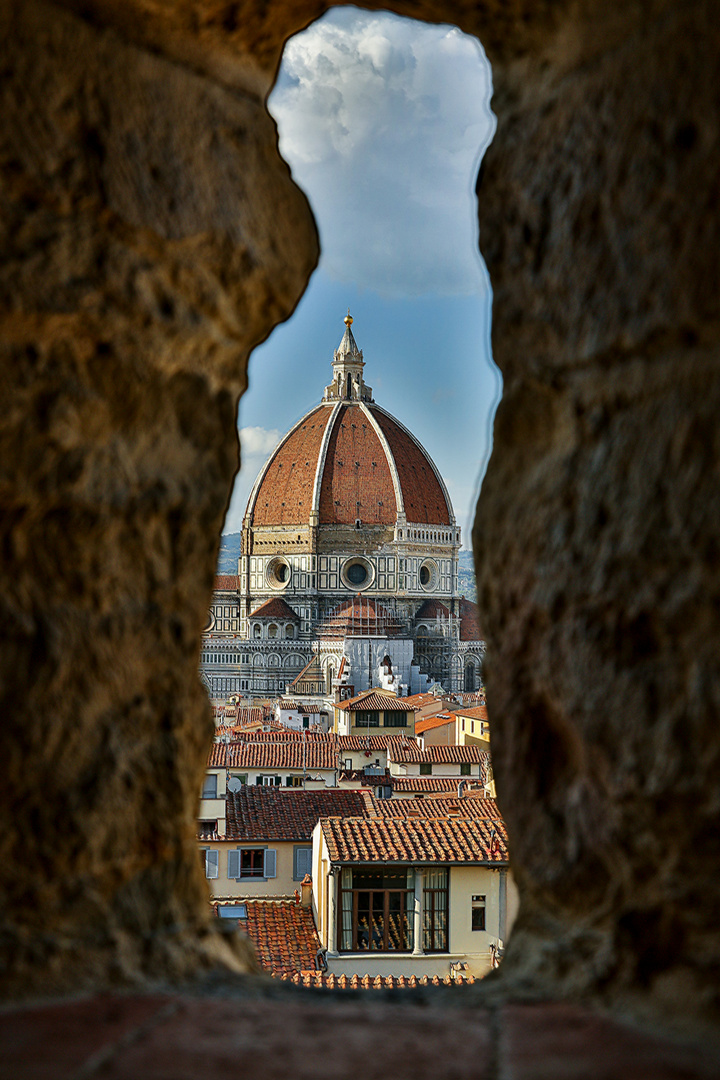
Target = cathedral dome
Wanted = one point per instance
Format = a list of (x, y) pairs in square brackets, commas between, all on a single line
[(349, 462)]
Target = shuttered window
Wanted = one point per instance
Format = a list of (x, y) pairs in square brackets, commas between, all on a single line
[(303, 862), (211, 864), (251, 863)]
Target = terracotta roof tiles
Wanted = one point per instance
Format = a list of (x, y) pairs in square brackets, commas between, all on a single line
[(477, 712), (283, 933), (275, 608), (291, 754), (421, 840), (376, 700), (317, 980), (431, 722), (284, 496), (423, 495), (427, 784), (432, 609), (363, 742), (408, 751), (268, 813), (447, 806), (357, 482), (226, 583)]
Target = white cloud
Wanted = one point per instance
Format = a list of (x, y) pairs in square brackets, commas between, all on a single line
[(383, 121), (256, 445), (258, 440)]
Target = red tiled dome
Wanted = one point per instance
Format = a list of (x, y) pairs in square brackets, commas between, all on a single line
[(348, 461)]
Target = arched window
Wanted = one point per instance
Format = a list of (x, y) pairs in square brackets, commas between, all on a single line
[(257, 630), (349, 386), (329, 676), (469, 677), (272, 630), (289, 631)]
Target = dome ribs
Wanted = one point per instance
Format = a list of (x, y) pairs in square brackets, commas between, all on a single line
[(356, 482), (423, 495), (286, 491)]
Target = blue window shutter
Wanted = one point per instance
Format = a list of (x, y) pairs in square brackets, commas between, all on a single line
[(270, 863), (233, 864), (211, 864)]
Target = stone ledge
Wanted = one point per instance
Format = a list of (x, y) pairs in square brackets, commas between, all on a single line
[(321, 1035)]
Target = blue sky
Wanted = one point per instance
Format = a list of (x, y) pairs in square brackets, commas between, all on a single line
[(383, 122)]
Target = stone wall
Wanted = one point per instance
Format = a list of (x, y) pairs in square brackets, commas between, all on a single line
[(152, 236)]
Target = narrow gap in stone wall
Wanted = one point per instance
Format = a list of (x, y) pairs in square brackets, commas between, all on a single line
[(384, 122), (340, 515)]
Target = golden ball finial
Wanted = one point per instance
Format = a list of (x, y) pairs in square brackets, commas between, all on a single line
[(348, 320)]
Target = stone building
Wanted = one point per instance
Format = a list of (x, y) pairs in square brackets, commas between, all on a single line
[(349, 561)]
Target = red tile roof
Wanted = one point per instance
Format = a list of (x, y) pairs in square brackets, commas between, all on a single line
[(275, 608), (447, 806), (439, 720), (285, 494), (432, 609), (357, 482), (477, 712), (317, 980), (470, 624), (268, 813), (363, 742), (418, 701), (226, 583), (283, 933), (313, 753), (428, 784), (275, 750), (422, 492), (286, 943), (415, 840), (407, 751), (376, 699)]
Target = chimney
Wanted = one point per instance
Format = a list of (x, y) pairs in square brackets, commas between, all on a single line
[(306, 888)]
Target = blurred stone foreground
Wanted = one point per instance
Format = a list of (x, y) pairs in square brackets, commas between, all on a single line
[(152, 237)]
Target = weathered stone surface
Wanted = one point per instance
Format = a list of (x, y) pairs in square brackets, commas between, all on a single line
[(152, 236), (597, 534)]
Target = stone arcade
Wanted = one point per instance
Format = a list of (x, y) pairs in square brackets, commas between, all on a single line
[(348, 572)]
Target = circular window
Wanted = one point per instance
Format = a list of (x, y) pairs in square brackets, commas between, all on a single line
[(429, 575), (357, 574), (278, 573)]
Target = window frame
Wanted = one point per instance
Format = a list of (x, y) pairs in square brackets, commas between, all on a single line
[(426, 768), (209, 777), (465, 768), (478, 904), (392, 718), (269, 861), (297, 848), (370, 718), (433, 910), (211, 864), (406, 910)]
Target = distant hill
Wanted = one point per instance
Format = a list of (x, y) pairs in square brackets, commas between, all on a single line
[(466, 576), (229, 553)]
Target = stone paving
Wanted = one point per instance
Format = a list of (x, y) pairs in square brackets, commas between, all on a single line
[(173, 1036)]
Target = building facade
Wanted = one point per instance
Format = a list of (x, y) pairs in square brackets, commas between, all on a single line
[(349, 566)]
